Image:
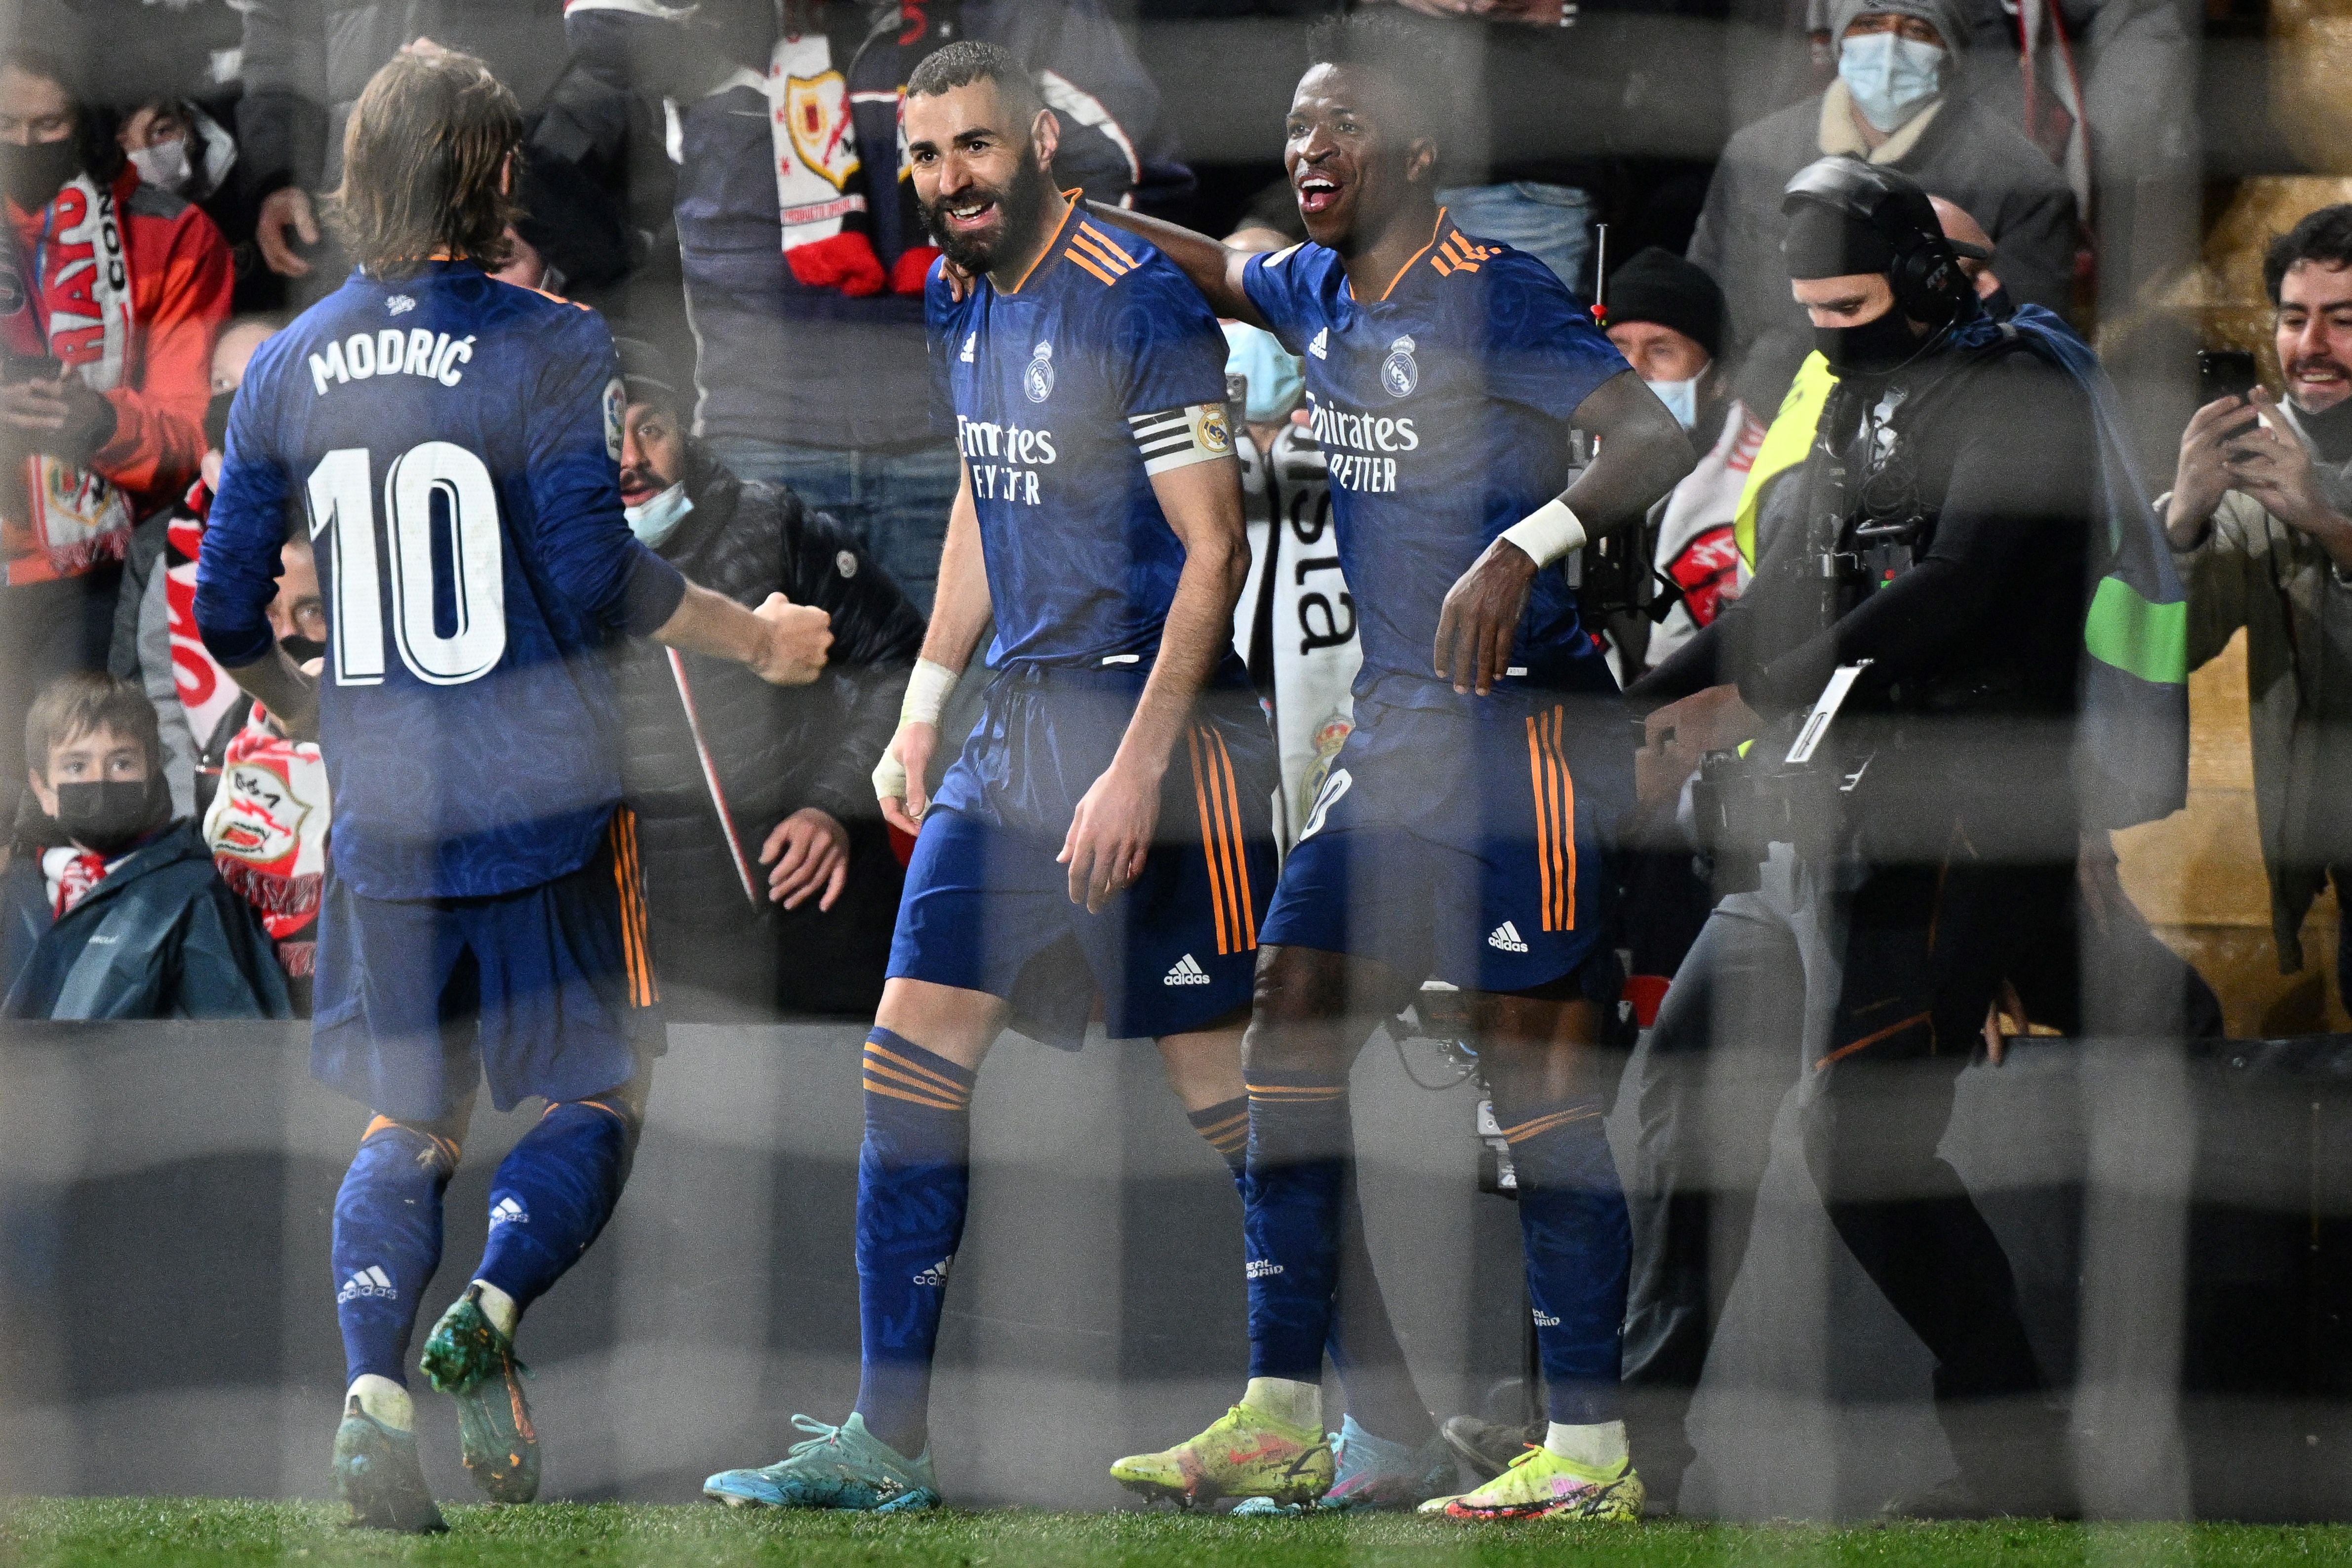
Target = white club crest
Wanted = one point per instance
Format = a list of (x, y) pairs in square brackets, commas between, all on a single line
[(1037, 380), (1397, 371)]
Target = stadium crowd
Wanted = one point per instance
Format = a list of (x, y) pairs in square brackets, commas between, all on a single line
[(1853, 229)]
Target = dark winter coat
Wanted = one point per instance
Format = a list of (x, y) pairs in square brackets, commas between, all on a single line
[(775, 750), (161, 937)]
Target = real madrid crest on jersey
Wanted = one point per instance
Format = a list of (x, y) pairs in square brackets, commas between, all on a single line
[(1398, 372), (1038, 379)]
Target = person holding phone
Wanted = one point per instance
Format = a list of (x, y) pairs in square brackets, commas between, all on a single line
[(2259, 520)]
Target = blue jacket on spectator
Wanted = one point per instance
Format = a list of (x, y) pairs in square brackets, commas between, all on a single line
[(161, 937)]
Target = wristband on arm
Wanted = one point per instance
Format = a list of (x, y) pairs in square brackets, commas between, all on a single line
[(1548, 533), (926, 696)]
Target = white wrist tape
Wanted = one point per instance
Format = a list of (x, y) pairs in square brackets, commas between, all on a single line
[(927, 695), (926, 692), (1548, 533)]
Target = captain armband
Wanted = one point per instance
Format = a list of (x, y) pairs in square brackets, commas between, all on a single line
[(1548, 533), (1179, 437)]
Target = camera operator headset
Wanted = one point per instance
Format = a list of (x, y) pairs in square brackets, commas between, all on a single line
[(1894, 859)]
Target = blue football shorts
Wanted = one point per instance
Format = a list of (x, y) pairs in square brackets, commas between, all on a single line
[(548, 990), (1466, 844), (986, 907)]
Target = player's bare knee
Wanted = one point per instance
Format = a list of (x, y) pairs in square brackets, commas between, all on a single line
[(949, 1021)]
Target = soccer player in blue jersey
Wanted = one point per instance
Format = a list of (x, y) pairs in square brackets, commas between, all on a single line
[(450, 443), (1110, 819), (1461, 829)]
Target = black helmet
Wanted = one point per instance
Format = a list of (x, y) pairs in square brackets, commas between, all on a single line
[(1890, 226)]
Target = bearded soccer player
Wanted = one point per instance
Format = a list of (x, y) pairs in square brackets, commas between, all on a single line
[(1460, 831), (1113, 809), (452, 442)]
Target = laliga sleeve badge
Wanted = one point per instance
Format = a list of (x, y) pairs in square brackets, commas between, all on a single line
[(616, 409), (1397, 371), (1037, 380)]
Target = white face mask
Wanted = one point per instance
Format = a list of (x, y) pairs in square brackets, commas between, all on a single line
[(1891, 77), (657, 519), (163, 165), (1681, 399)]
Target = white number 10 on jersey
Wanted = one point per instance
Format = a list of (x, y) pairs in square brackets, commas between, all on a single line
[(343, 504)]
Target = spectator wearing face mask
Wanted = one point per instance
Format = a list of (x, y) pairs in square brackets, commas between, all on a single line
[(102, 385), (155, 642), (1894, 102), (1666, 316), (111, 908), (770, 877)]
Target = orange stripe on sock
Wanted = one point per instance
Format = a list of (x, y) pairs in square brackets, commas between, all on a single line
[(875, 1071), (938, 1081), (884, 1089)]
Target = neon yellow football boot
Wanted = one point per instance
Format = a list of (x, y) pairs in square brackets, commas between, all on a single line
[(1246, 1453), (1543, 1485)]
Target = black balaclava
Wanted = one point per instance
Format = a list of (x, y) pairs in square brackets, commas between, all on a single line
[(1824, 242)]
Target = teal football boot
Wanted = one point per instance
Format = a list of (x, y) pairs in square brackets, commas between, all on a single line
[(468, 1359), (380, 1478), (1372, 1475), (843, 1466)]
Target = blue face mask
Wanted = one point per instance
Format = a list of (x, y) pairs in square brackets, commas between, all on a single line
[(1681, 399), (1276, 383), (1890, 76), (659, 518)]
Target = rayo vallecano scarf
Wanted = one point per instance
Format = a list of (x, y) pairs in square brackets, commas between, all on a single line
[(77, 285)]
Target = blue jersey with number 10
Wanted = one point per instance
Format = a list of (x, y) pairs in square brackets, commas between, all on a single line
[(449, 443), (1442, 408)]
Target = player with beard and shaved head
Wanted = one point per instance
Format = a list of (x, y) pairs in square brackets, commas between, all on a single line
[(1107, 828), (1460, 829)]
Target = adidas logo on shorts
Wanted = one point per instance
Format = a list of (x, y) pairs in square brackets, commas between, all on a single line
[(1187, 971), (937, 1274), (507, 1211), (1506, 936), (370, 1281)]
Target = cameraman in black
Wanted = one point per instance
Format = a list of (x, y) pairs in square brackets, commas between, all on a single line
[(1925, 852)]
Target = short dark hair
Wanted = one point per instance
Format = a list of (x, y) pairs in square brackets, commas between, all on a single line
[(95, 124), (86, 701), (1397, 45), (422, 155), (967, 60), (2324, 236)]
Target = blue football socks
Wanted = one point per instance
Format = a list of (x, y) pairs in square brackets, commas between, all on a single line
[(555, 1191), (1572, 1219), (914, 1180), (387, 1242), (1362, 1340), (1299, 1138)]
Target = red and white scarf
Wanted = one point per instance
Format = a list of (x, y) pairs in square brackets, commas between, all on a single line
[(268, 830), (79, 288), (71, 874)]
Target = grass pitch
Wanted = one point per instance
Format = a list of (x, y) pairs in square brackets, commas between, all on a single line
[(148, 1532)]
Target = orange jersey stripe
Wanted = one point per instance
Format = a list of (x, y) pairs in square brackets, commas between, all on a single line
[(1090, 267), (1105, 240), (1114, 261), (1866, 1041), (1416, 256)]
